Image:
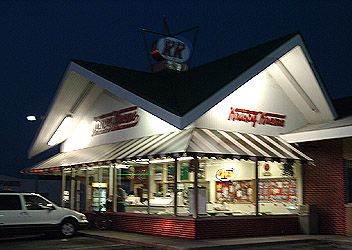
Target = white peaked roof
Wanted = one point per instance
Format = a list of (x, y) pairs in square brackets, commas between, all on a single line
[(180, 98)]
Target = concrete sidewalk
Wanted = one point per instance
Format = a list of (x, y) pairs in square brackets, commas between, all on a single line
[(160, 242)]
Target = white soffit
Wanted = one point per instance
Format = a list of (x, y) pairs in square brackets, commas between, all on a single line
[(295, 75), (341, 128), (73, 97), (294, 56), (128, 96)]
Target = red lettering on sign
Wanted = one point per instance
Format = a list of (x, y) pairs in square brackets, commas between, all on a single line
[(178, 50), (256, 117), (168, 46), (116, 120)]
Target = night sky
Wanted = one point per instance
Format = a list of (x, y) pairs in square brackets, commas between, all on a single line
[(39, 38)]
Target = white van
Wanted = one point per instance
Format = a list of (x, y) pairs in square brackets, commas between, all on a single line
[(30, 213)]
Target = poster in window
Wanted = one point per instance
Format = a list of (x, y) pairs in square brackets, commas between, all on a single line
[(184, 171)]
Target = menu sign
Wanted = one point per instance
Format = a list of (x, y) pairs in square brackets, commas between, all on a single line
[(116, 120), (256, 117)]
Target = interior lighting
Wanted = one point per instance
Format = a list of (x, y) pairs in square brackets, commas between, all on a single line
[(61, 132), (171, 159), (121, 166), (296, 85), (162, 160)]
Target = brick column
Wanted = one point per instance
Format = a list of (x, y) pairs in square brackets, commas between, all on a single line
[(324, 184)]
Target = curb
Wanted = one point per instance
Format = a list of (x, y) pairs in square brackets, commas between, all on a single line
[(209, 247), (257, 244), (133, 242)]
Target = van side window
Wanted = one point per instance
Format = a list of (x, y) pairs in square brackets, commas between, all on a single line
[(34, 202), (10, 202)]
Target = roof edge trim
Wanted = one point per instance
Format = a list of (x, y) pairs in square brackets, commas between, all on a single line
[(318, 135), (127, 95)]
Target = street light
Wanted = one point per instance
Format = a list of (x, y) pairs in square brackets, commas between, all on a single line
[(31, 118)]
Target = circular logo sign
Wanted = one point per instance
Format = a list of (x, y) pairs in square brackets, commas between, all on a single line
[(174, 49), (225, 174), (266, 167)]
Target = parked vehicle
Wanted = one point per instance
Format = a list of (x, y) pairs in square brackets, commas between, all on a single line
[(25, 213)]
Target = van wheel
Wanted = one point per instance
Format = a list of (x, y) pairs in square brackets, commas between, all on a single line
[(68, 228)]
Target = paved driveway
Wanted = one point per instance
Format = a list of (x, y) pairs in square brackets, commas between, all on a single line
[(75, 243)]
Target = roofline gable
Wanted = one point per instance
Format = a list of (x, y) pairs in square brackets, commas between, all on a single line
[(197, 111), (126, 95)]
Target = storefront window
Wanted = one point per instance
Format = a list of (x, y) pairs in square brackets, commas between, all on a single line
[(99, 184), (162, 188), (279, 188), (231, 187), (225, 187), (132, 193)]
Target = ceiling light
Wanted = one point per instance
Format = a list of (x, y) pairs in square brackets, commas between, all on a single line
[(61, 132)]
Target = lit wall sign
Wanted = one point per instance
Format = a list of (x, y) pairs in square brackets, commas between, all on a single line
[(225, 174), (257, 117), (99, 185), (116, 120)]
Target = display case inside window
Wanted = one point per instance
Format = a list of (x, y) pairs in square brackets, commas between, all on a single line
[(135, 182)]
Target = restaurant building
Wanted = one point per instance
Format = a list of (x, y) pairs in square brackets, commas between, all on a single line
[(236, 147)]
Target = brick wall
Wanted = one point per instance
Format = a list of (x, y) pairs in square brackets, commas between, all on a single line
[(208, 228), (154, 225), (324, 184)]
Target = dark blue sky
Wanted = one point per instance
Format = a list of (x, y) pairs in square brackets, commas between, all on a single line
[(39, 38)]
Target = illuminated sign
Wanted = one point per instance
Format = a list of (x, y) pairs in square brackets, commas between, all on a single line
[(257, 117), (99, 185), (225, 174), (116, 120), (174, 49), (172, 53)]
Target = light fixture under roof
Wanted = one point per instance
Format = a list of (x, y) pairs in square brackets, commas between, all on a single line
[(61, 132)]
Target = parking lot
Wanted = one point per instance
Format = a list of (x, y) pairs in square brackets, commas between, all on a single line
[(40, 242)]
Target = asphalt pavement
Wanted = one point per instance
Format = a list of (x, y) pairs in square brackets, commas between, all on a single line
[(272, 242), (80, 242)]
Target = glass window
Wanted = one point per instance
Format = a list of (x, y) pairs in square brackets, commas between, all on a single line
[(34, 202), (231, 187), (10, 202), (132, 192), (279, 188)]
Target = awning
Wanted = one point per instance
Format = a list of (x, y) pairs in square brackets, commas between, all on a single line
[(203, 142)]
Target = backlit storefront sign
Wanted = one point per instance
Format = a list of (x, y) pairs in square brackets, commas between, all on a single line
[(173, 49), (225, 174), (172, 53), (116, 120), (257, 117)]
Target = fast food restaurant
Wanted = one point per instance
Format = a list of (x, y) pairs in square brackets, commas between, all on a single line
[(207, 152)]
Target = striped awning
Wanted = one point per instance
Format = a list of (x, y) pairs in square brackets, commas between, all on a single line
[(204, 142)]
